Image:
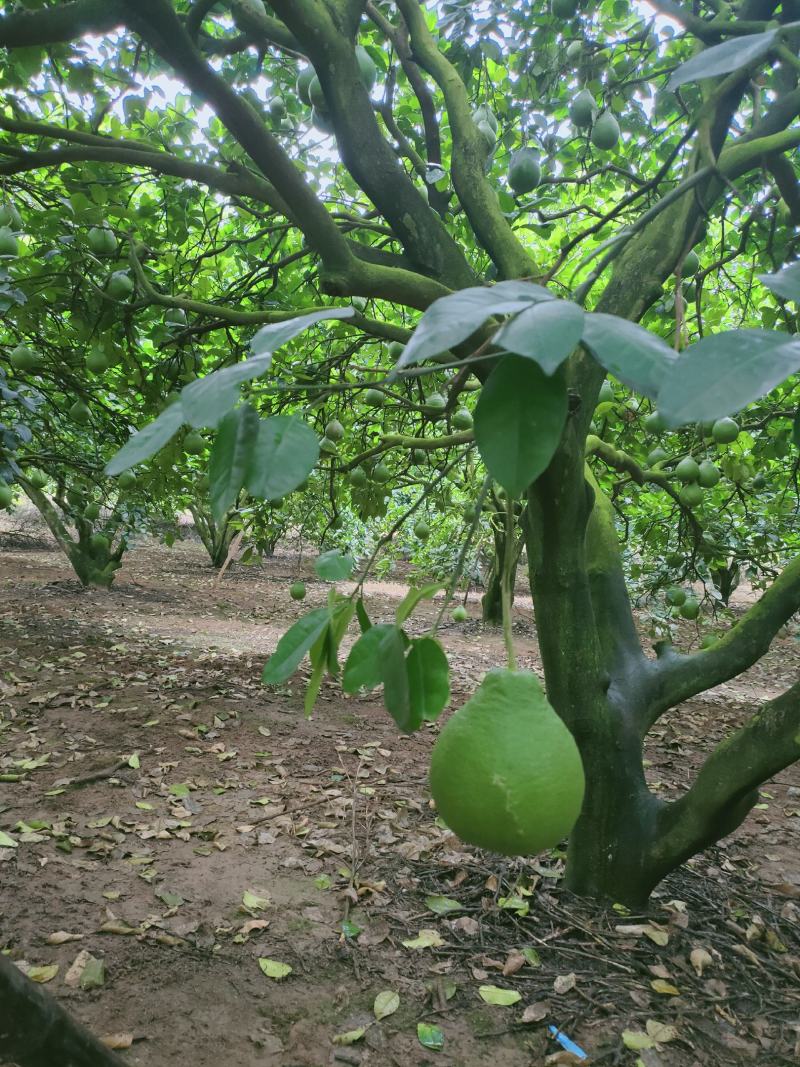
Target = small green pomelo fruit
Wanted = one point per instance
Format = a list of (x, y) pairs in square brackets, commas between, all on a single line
[(24, 358), (357, 477), (691, 265), (394, 350), (381, 474), (194, 444), (328, 447), (691, 495), (175, 317), (676, 596), (759, 482), (91, 512), (709, 475), (506, 773), (605, 132), (654, 423), (421, 530), (462, 419), (709, 641), (334, 430), (687, 470), (436, 401), (375, 398), (690, 608), (37, 478), (524, 172), (459, 614), (658, 455), (419, 455), (96, 361), (102, 241), (79, 411), (9, 245), (582, 109), (120, 285), (126, 480), (6, 495), (606, 394), (277, 108), (297, 591), (724, 431)]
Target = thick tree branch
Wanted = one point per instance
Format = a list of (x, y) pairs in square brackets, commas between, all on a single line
[(727, 785), (258, 24), (477, 197), (66, 22), (35, 1031), (675, 678)]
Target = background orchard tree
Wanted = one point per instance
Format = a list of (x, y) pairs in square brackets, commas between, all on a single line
[(214, 176)]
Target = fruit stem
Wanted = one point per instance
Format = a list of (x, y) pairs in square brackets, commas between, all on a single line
[(505, 585)]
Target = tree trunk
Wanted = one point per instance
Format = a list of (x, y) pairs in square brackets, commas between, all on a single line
[(35, 1031)]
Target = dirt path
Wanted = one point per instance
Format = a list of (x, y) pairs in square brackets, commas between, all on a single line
[(227, 829)]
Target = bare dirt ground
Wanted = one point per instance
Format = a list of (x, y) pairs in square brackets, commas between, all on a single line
[(181, 823)]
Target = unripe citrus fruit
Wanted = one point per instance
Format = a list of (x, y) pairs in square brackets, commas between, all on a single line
[(658, 455), (277, 108), (506, 773), (79, 411), (459, 614), (194, 444), (653, 422), (676, 596), (690, 608), (328, 447), (24, 358), (175, 317), (9, 246), (357, 477), (303, 84), (37, 478), (126, 480), (724, 431), (96, 361), (709, 475), (436, 401), (691, 265), (691, 495), (606, 394), (582, 109), (759, 481), (605, 132), (381, 474), (6, 495), (422, 530), (420, 455), (374, 397), (334, 431), (687, 470), (394, 350), (102, 241), (462, 419), (297, 591), (120, 285), (91, 512), (709, 641), (524, 172)]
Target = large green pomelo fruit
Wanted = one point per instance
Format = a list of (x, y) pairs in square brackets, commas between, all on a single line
[(506, 773), (102, 241), (524, 172), (724, 431), (582, 108), (605, 132)]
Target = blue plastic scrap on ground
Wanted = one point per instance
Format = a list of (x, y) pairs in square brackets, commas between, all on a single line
[(566, 1044)]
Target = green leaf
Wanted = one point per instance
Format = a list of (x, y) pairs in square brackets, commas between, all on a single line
[(452, 319), (396, 691), (637, 357), (504, 998), (546, 333), (637, 1040), (425, 939), (350, 1037), (519, 419), (364, 622), (270, 338), (230, 456), (253, 902), (724, 372), (294, 644), (341, 613), (363, 669), (723, 58), (274, 969), (413, 597), (386, 1003), (785, 284), (147, 441), (430, 1036), (7, 842), (443, 905), (319, 660), (428, 679), (334, 566), (284, 455), (93, 975), (796, 429)]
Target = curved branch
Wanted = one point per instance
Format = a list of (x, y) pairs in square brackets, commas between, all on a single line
[(675, 678), (477, 197), (55, 25)]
